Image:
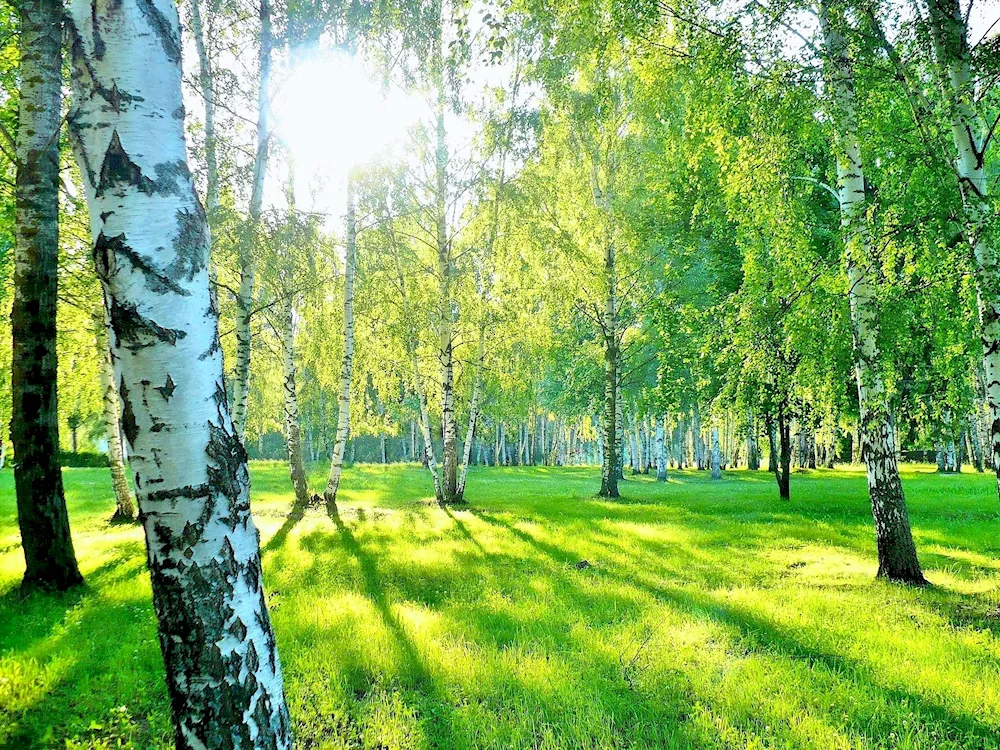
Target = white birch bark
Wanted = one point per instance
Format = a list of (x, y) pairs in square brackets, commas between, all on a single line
[(969, 136), (151, 252), (347, 361), (245, 295), (124, 501), (716, 454), (207, 85), (661, 450), (293, 430), (896, 550), (470, 433)]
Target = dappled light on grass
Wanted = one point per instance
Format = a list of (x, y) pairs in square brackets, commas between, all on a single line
[(710, 615)]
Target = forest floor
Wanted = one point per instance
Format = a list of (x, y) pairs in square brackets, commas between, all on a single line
[(708, 615)]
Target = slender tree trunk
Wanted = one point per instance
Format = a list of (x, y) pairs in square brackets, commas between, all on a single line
[(446, 352), (716, 457), (206, 84), (470, 432), (661, 453), (124, 501), (50, 561), (293, 431), (347, 361), (784, 465), (151, 252), (245, 295), (896, 550)]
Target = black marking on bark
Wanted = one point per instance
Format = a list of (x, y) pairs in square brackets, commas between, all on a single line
[(164, 536), (179, 113), (228, 561), (239, 630), (135, 332), (163, 29), (156, 281), (167, 389), (227, 474), (95, 25), (119, 169), (212, 348), (190, 244), (105, 215), (187, 492), (253, 660), (191, 534), (129, 426)]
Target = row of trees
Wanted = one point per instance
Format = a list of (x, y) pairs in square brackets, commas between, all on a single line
[(677, 235)]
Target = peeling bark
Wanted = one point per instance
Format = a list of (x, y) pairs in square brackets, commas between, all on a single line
[(223, 673), (50, 561)]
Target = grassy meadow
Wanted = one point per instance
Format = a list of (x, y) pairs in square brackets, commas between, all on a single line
[(707, 615)]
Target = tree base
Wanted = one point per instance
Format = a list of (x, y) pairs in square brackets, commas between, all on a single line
[(121, 518), (907, 578)]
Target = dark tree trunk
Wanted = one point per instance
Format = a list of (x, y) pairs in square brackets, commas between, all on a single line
[(41, 505)]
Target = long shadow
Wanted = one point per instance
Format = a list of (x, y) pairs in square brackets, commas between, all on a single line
[(277, 540), (464, 531), (413, 663), (764, 637)]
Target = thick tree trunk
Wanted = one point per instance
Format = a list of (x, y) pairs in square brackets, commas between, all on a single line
[(347, 361), (245, 295), (896, 550), (293, 431), (151, 252), (124, 501), (50, 561)]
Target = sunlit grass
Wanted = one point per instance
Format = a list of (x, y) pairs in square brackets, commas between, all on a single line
[(711, 616)]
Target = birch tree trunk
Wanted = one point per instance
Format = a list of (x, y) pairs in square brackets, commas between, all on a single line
[(124, 501), (347, 361), (661, 452), (245, 295), (716, 456), (207, 85), (470, 432), (896, 551), (151, 253), (949, 29), (293, 430), (50, 561)]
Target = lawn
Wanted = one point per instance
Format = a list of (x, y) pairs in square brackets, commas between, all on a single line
[(707, 615)]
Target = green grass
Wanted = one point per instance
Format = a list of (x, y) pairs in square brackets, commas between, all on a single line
[(713, 616)]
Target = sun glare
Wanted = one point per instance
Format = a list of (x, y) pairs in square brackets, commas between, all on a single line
[(334, 116)]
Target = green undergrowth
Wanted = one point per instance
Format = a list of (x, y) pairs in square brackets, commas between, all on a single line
[(691, 614)]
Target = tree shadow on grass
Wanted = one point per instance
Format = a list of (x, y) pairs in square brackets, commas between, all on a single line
[(443, 724), (764, 637), (277, 540)]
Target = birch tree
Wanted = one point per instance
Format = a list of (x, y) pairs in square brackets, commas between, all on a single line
[(124, 501), (151, 252), (896, 550), (347, 360)]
